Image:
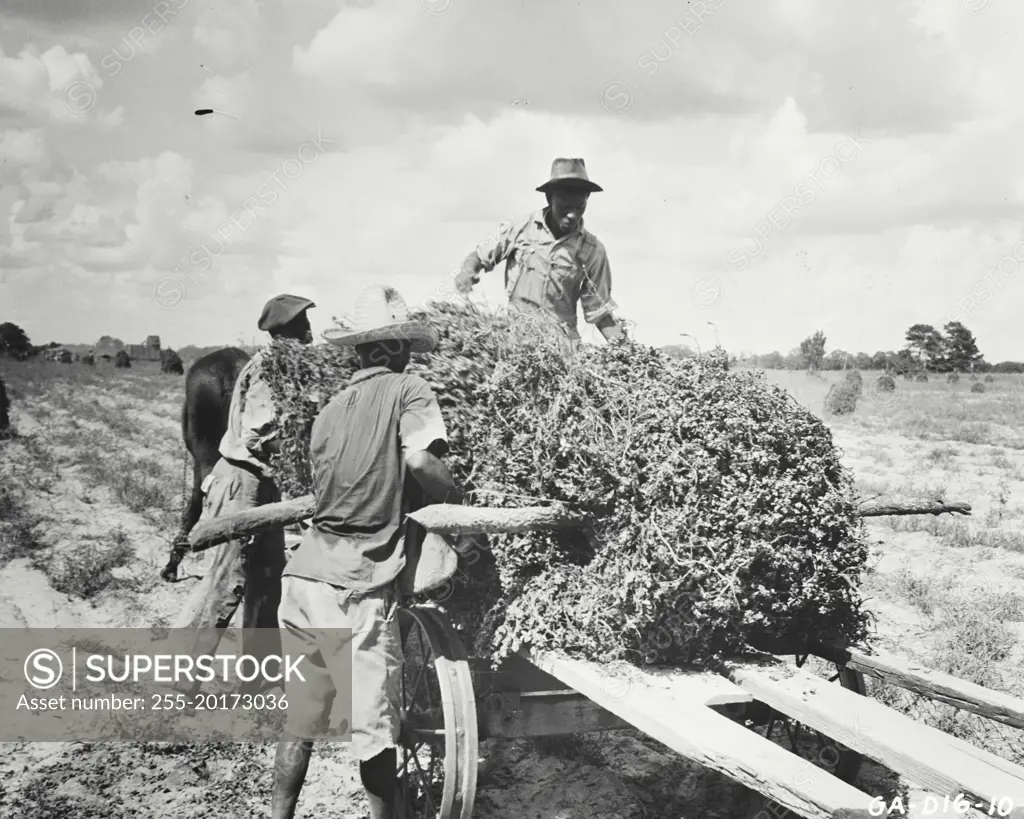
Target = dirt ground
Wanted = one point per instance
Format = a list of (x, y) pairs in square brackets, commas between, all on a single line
[(95, 478)]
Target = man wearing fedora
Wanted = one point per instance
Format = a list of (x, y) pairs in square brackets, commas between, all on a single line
[(551, 261), (360, 556), (246, 573)]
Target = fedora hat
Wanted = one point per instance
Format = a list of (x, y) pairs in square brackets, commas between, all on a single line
[(569, 173), (381, 315)]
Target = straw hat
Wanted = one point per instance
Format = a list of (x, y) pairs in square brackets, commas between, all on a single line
[(381, 315), (569, 173)]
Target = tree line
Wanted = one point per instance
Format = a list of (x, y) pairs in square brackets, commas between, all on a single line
[(952, 349)]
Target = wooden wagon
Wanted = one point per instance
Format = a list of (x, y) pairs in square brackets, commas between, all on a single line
[(796, 729)]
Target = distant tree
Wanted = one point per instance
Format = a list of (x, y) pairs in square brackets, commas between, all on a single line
[(770, 361), (837, 360), (794, 360), (812, 350), (879, 361), (863, 361), (925, 345), (1008, 367), (109, 342), (13, 340), (961, 349)]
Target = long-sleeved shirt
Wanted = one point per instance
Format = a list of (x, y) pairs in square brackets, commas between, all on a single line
[(551, 275), (252, 421)]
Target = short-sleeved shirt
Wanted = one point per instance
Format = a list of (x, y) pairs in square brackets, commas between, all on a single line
[(358, 448), (252, 419), (552, 275)]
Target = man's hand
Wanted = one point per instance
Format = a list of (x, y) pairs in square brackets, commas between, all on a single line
[(614, 334), (465, 280)]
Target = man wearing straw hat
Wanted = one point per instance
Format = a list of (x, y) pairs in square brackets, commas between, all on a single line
[(551, 261), (353, 563), (246, 573)]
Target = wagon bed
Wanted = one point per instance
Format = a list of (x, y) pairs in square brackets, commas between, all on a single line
[(451, 701)]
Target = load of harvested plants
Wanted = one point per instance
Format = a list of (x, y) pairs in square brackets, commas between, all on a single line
[(722, 514)]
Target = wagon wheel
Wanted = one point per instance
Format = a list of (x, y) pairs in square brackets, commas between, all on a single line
[(438, 758), (819, 749)]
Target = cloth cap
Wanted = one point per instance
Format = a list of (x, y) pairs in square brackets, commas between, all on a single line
[(282, 309)]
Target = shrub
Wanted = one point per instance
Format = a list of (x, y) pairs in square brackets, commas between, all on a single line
[(990, 378), (953, 378), (122, 360), (978, 387), (89, 359), (841, 399), (724, 517), (921, 377)]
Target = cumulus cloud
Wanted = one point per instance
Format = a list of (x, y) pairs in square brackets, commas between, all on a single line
[(34, 84), (819, 164)]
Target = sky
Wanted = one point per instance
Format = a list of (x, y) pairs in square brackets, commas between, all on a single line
[(773, 167)]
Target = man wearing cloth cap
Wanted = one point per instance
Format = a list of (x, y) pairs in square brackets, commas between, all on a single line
[(249, 575), (551, 261), (358, 558)]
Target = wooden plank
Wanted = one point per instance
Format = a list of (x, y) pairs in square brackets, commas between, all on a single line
[(923, 754), (619, 680), (708, 738), (936, 685), (544, 713)]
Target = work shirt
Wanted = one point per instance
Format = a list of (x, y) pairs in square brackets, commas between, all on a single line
[(252, 421), (549, 275), (358, 447)]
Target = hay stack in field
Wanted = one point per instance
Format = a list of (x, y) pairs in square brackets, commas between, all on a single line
[(723, 515), (170, 362), (953, 378), (122, 360), (978, 387), (885, 383), (855, 381), (841, 398), (990, 379), (921, 377)]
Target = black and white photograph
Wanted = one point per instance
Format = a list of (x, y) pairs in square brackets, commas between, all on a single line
[(511, 409)]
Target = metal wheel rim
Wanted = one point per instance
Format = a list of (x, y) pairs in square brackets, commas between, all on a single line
[(452, 743)]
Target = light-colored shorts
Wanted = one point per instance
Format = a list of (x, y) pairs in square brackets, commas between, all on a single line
[(312, 615)]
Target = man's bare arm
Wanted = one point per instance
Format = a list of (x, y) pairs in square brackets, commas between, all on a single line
[(431, 473)]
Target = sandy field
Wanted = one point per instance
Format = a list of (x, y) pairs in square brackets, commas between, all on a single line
[(91, 486)]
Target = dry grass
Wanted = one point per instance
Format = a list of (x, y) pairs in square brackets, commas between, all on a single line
[(932, 410)]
